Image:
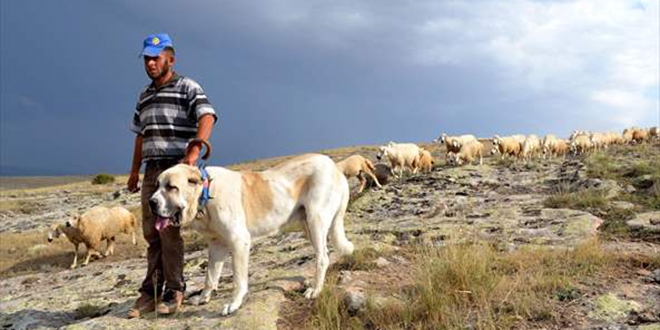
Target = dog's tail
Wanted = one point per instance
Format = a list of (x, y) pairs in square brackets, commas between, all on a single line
[(341, 243)]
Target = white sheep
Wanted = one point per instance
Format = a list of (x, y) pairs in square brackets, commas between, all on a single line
[(400, 155), (530, 147), (102, 224), (454, 143), (581, 144), (547, 144), (468, 154), (599, 140)]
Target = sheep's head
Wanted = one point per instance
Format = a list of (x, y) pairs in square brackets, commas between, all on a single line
[(73, 222), (442, 138), (456, 144), (54, 232), (383, 151), (176, 199), (452, 158), (494, 151)]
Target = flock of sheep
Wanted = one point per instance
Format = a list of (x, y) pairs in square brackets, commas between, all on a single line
[(103, 224), (466, 149)]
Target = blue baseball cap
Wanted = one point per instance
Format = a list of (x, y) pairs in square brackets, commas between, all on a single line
[(155, 43)]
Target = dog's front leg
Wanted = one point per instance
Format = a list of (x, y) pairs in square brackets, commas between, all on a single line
[(239, 259), (217, 254)]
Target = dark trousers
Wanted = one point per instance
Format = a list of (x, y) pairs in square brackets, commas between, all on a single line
[(165, 252)]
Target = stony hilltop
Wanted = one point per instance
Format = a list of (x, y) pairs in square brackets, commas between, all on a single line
[(545, 204)]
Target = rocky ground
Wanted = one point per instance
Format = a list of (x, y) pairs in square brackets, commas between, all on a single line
[(498, 202)]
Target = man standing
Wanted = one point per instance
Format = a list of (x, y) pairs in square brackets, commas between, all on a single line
[(170, 112)]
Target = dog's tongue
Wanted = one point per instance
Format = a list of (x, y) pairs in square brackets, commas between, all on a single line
[(162, 223)]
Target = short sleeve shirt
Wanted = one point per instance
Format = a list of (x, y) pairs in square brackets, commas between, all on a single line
[(167, 117)]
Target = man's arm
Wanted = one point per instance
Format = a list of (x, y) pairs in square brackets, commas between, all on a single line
[(134, 177), (203, 132)]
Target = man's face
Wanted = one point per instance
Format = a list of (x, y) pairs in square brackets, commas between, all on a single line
[(158, 66)]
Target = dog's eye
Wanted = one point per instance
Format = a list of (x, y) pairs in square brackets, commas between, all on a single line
[(171, 187)]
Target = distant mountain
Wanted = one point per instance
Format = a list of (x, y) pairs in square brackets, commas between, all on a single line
[(6, 170)]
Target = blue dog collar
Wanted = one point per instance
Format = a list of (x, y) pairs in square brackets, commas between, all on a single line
[(206, 183)]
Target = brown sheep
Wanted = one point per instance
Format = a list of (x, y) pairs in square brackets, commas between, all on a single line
[(102, 224), (425, 161), (357, 166)]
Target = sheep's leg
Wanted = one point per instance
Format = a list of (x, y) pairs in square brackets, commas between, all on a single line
[(110, 248), (363, 182), (90, 251), (373, 177), (75, 256)]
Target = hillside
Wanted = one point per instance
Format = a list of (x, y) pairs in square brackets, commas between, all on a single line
[(557, 243)]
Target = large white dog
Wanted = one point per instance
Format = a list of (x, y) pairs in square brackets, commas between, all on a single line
[(245, 205)]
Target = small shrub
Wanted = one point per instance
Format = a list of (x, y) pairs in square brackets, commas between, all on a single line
[(103, 178), (90, 311), (360, 259), (579, 200)]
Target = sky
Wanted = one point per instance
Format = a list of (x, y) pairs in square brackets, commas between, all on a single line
[(294, 76)]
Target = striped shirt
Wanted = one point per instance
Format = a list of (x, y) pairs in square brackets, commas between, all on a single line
[(167, 117)]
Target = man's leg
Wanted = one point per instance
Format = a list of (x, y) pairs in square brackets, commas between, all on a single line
[(146, 301), (172, 260), (151, 235)]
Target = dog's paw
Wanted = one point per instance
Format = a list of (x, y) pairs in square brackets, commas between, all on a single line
[(229, 309), (312, 293), (200, 300), (72, 266)]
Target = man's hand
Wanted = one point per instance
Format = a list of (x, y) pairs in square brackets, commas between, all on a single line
[(132, 183), (191, 158)]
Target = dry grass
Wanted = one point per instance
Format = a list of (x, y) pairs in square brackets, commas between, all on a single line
[(578, 200), (473, 286)]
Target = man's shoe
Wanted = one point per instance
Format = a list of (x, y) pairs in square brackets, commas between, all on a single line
[(145, 303), (171, 302)]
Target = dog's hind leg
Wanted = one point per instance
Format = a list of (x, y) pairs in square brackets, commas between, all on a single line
[(217, 254), (319, 224), (240, 256), (339, 240)]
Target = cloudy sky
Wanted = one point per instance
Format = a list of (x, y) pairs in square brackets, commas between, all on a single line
[(291, 76)]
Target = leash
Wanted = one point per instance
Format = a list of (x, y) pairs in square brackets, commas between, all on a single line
[(206, 180), (206, 194)]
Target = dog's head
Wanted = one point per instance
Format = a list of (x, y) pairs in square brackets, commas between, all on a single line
[(176, 200)]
